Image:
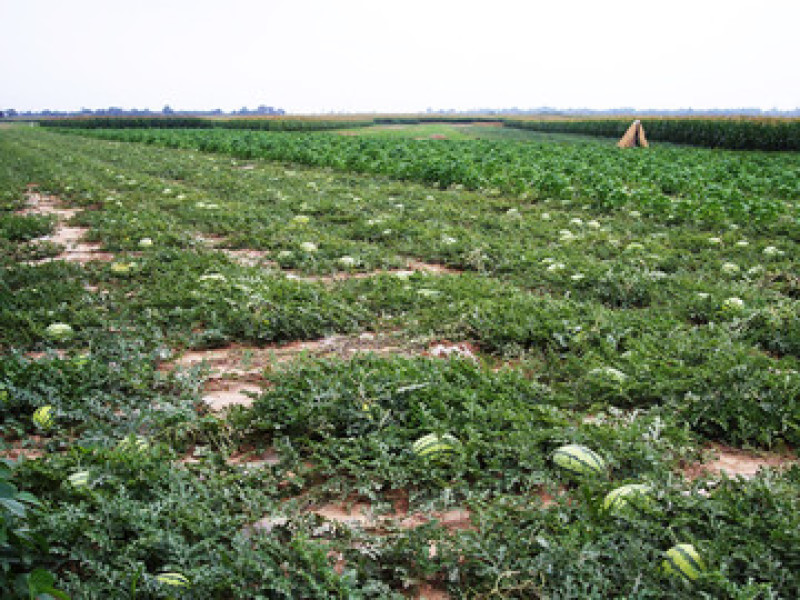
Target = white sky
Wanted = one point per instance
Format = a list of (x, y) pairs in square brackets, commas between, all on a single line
[(386, 56)]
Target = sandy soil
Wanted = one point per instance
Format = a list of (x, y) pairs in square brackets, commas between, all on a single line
[(231, 393), (72, 238), (237, 371), (251, 362), (412, 266), (29, 449), (427, 592), (260, 258), (250, 258), (734, 462), (210, 240), (463, 350), (16, 452)]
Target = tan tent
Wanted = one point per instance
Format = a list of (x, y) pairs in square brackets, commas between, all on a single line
[(634, 137)]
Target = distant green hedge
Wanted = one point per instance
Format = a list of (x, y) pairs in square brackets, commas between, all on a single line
[(731, 134), (266, 124)]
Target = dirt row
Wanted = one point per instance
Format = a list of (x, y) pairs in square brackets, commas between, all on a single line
[(73, 239), (78, 250)]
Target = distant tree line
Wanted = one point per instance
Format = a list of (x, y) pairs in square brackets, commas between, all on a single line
[(543, 111), (192, 122), (113, 111)]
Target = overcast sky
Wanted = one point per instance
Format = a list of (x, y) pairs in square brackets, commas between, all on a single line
[(387, 56)]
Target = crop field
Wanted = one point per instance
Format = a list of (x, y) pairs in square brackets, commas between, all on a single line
[(218, 348)]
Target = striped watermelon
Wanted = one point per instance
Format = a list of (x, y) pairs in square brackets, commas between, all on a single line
[(174, 580), (436, 446), (622, 499), (685, 561), (579, 460)]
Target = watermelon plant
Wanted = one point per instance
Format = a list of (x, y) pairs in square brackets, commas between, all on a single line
[(490, 300), (23, 552)]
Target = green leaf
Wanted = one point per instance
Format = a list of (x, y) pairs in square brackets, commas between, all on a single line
[(13, 507)]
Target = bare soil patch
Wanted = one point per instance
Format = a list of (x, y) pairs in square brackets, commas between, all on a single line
[(250, 258), (39, 354), (253, 459), (39, 204), (260, 258), (549, 499), (427, 591), (734, 462), (236, 372), (446, 349), (17, 452), (436, 268), (357, 513), (250, 362), (210, 240), (72, 238), (248, 458), (29, 449), (229, 393), (412, 266)]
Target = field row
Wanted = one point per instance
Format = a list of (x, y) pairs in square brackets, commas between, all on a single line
[(671, 185)]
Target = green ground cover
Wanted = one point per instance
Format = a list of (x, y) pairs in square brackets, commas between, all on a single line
[(415, 131), (472, 131), (603, 323)]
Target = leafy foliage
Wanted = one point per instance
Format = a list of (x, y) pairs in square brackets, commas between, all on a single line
[(663, 183), (582, 318), (21, 548)]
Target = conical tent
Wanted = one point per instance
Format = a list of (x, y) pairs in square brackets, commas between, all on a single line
[(634, 137)]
